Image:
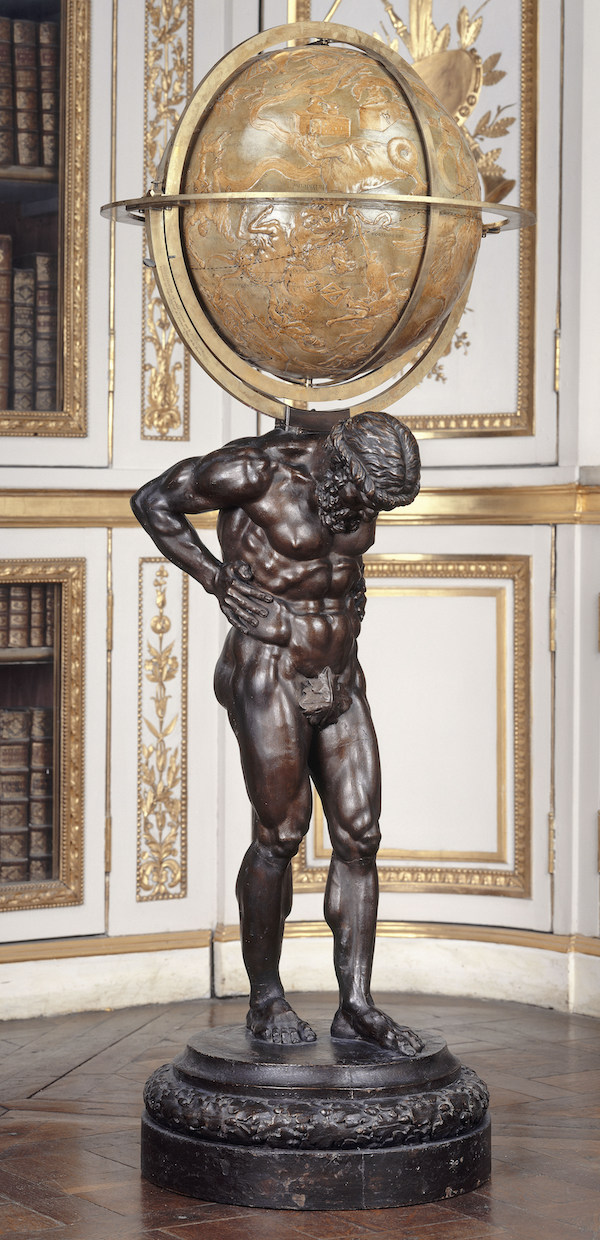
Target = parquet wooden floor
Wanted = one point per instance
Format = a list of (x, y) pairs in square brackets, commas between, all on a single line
[(70, 1100)]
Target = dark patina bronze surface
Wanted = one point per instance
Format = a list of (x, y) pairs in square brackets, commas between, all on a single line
[(286, 1115), (323, 1125)]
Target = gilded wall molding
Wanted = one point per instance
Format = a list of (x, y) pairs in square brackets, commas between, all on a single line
[(103, 945), (162, 721), (71, 421), (565, 504), (507, 936), (67, 888), (168, 82), (189, 940), (457, 878)]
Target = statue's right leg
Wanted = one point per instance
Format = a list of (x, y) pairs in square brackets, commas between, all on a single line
[(274, 739)]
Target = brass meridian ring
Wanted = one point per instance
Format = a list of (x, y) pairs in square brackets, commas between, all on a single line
[(158, 210)]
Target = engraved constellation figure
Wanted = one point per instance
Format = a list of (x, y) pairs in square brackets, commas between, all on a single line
[(296, 513)]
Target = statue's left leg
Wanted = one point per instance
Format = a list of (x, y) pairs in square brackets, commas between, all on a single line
[(344, 762)]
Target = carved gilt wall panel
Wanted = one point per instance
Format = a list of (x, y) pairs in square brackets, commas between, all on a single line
[(475, 818), (162, 732), (66, 887), (168, 75)]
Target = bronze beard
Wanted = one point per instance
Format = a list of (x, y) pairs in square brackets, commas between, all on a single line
[(334, 514)]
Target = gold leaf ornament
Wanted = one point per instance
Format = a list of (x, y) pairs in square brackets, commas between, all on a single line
[(160, 872)]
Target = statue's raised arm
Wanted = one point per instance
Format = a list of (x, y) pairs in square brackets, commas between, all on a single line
[(228, 478)]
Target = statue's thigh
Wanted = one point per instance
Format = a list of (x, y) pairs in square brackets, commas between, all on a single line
[(345, 766), (274, 738)]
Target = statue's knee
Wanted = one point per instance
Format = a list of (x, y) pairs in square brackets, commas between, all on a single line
[(283, 840), (359, 840)]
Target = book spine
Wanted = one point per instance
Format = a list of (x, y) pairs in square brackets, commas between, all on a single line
[(49, 57), (4, 597), (26, 789), (23, 338), (14, 871), (50, 606), (37, 626), (41, 723), (18, 615), (5, 316), (14, 755), (26, 111), (15, 843), (13, 815), (40, 812), (40, 805), (14, 785), (7, 125), (46, 329), (15, 723), (40, 782)]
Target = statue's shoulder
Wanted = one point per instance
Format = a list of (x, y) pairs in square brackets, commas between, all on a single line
[(289, 448)]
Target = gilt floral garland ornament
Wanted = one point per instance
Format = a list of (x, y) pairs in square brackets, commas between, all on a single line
[(161, 771), (165, 364)]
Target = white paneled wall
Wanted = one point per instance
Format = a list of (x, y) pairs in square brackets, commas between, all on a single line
[(485, 730)]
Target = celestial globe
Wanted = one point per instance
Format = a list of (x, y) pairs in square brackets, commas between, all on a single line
[(328, 286), (315, 222)]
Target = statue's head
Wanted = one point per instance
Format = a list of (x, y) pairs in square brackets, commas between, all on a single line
[(374, 465)]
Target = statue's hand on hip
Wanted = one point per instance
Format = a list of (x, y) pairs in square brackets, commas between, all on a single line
[(240, 601)]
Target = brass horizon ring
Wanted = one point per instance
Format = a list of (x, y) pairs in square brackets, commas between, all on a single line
[(126, 210)]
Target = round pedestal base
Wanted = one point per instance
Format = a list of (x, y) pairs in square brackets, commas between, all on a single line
[(329, 1125)]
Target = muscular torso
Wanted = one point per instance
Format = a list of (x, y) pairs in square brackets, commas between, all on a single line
[(311, 572)]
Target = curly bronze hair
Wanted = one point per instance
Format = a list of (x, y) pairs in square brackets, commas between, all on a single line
[(381, 456)]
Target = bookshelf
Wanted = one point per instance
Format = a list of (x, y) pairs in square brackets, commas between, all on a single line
[(41, 683), (43, 184), (29, 715), (30, 122)]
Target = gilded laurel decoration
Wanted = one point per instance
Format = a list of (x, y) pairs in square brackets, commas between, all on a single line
[(67, 888), (455, 878), (458, 76), (161, 868), (165, 362)]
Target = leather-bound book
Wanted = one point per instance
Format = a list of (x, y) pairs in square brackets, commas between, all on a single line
[(4, 596), (27, 121), (46, 327), (49, 53), (5, 316), (41, 720), (13, 815), (7, 125), (14, 871), (18, 615), (23, 343), (15, 723), (24, 286), (50, 606), (40, 782), (37, 624)]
